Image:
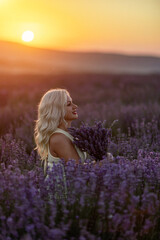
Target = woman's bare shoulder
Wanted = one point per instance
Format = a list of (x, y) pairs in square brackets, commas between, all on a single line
[(57, 138), (63, 147)]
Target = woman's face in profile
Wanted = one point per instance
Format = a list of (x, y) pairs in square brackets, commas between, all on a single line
[(71, 110)]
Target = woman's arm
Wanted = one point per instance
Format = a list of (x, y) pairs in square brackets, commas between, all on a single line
[(63, 147)]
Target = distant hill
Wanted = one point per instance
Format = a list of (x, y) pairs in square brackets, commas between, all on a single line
[(19, 58)]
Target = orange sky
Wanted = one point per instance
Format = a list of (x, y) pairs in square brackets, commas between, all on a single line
[(126, 26)]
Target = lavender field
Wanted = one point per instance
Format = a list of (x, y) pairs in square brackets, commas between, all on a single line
[(114, 200)]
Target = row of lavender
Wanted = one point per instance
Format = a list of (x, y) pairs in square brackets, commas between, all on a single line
[(118, 200)]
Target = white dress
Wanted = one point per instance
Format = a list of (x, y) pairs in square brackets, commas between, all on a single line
[(57, 161), (61, 191)]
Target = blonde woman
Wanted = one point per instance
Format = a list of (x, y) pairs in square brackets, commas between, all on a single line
[(56, 111)]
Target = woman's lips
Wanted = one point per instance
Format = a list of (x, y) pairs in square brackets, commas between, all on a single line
[(74, 112)]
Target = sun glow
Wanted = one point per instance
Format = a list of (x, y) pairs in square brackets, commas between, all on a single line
[(114, 26), (27, 36)]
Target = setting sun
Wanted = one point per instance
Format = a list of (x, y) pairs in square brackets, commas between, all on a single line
[(27, 36), (105, 26)]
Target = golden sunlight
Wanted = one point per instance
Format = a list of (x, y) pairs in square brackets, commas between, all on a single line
[(27, 36), (110, 26)]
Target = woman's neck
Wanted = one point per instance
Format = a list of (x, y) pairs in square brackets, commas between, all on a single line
[(64, 127)]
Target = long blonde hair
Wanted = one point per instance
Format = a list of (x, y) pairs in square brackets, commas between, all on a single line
[(51, 112)]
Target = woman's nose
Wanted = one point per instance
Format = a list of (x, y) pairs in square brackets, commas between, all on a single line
[(75, 106)]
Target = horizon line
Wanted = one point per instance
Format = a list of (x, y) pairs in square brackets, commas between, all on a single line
[(94, 51)]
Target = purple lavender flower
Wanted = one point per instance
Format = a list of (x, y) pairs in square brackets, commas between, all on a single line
[(92, 139), (118, 200)]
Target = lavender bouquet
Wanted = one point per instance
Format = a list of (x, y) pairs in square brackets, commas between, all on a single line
[(92, 139)]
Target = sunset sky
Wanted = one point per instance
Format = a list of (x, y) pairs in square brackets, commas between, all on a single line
[(123, 26)]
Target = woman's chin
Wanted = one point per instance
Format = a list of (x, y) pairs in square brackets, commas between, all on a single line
[(75, 116)]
